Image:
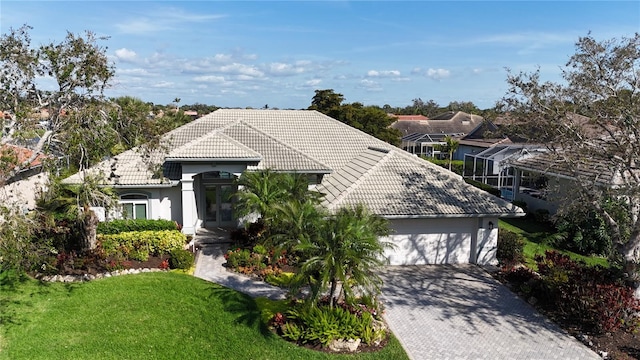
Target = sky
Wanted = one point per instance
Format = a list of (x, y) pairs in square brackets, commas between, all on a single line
[(257, 53)]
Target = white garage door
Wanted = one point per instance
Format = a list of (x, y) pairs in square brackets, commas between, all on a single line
[(431, 241)]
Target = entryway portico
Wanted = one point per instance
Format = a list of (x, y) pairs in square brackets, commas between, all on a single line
[(207, 195)]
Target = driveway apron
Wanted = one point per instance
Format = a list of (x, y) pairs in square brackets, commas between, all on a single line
[(461, 312)]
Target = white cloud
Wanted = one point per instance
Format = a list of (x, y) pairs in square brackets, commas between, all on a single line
[(162, 84), (241, 69), (384, 73), (134, 72), (209, 79), (164, 19), (283, 69), (370, 85), (313, 82), (438, 74), (126, 55)]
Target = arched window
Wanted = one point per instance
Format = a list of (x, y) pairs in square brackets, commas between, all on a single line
[(134, 206)]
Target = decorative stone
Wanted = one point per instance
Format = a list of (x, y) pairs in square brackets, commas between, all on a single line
[(350, 345)]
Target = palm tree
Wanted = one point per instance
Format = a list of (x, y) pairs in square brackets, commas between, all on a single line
[(257, 193), (294, 221), (347, 251), (450, 146), (261, 191)]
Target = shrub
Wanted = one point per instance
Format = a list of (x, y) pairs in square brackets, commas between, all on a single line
[(153, 242), (488, 188), (593, 297), (521, 204), (139, 254), (127, 225), (323, 324), (238, 257), (181, 259), (456, 165), (583, 232), (510, 248), (249, 236), (280, 279)]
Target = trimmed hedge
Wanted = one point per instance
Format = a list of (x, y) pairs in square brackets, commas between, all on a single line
[(488, 188), (181, 259), (137, 243), (127, 225)]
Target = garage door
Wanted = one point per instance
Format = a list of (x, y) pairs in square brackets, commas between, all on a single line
[(430, 241)]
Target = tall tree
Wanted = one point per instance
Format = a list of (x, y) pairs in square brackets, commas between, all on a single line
[(373, 120), (591, 123), (326, 101), (79, 67)]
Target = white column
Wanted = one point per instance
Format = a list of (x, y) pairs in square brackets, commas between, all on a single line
[(189, 210)]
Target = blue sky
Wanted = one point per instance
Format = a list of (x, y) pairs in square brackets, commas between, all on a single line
[(248, 54)]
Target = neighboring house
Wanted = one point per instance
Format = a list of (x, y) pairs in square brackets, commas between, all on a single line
[(435, 216), (20, 159), (421, 135), (492, 166), (542, 179), (21, 188)]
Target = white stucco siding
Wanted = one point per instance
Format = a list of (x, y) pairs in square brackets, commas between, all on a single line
[(431, 241), (172, 203), (487, 242)]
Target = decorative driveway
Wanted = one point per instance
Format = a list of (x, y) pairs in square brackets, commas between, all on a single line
[(461, 312)]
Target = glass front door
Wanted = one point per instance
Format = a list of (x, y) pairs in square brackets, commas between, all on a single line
[(219, 205)]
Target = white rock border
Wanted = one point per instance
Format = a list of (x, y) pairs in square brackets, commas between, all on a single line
[(89, 277)]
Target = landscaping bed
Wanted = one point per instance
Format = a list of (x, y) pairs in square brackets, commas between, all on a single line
[(584, 301)]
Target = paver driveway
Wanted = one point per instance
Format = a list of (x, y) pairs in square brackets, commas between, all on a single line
[(461, 312)]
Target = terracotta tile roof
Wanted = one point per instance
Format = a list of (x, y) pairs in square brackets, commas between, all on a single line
[(22, 154)]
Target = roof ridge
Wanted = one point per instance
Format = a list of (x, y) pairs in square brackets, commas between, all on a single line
[(364, 176), (284, 144), (209, 135)]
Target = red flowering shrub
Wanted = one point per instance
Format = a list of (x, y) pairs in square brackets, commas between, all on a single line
[(593, 297)]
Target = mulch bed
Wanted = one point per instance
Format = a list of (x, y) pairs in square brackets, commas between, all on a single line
[(95, 266)]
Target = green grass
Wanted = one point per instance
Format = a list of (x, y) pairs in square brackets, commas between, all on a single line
[(144, 316), (534, 234)]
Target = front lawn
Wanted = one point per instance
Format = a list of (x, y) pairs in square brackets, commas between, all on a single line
[(145, 316), (534, 234)]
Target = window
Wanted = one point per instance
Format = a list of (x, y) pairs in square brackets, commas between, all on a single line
[(134, 206)]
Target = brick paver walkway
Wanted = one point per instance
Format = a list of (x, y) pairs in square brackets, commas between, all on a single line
[(461, 312)]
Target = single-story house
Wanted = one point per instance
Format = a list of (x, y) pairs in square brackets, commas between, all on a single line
[(435, 216), (422, 135)]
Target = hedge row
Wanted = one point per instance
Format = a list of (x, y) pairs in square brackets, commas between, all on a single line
[(488, 188), (127, 225), (142, 242)]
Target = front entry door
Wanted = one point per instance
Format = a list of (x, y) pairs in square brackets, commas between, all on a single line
[(219, 205)]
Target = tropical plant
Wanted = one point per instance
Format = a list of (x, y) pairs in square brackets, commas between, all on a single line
[(450, 146), (347, 251), (259, 192), (74, 202), (295, 221)]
